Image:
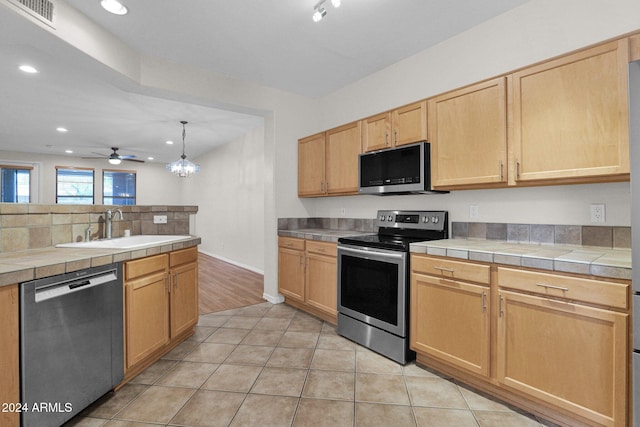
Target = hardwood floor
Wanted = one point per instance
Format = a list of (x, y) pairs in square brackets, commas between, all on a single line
[(224, 286)]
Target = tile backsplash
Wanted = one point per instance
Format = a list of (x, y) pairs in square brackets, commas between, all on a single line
[(33, 226), (585, 235)]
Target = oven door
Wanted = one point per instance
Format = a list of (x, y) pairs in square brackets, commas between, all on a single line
[(372, 287)]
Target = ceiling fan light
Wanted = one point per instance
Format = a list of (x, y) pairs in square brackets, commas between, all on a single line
[(336, 3), (115, 161)]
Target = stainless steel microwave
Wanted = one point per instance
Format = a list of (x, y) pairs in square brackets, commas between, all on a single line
[(401, 170)]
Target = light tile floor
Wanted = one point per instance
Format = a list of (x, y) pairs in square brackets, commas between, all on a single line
[(272, 365)]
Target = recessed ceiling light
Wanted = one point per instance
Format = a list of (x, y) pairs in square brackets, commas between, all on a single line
[(169, 142), (62, 130), (149, 158), (68, 151), (27, 69), (114, 6)]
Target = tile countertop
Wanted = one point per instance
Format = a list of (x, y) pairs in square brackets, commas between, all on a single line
[(590, 260), (22, 266), (323, 234)]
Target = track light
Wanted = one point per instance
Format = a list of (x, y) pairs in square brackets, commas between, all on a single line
[(319, 11)]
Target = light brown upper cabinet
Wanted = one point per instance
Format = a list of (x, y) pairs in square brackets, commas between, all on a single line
[(468, 135), (569, 118), (343, 149), (403, 125), (328, 162), (311, 170)]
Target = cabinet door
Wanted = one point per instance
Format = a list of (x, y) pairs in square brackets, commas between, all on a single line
[(409, 123), (311, 166), (468, 134), (376, 132), (450, 321), (291, 273), (147, 316), (343, 148), (184, 298), (9, 354), (569, 355), (570, 116), (321, 283)]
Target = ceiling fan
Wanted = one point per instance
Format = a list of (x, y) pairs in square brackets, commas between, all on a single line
[(115, 158)]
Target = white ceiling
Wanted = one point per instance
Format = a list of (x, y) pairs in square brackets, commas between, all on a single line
[(273, 43)]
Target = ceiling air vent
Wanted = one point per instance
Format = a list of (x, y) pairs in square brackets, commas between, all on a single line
[(41, 9)]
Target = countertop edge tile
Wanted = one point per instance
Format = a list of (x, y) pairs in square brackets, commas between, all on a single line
[(23, 266), (586, 260)]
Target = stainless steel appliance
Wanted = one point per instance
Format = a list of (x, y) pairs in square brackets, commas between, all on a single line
[(71, 342), (400, 170), (634, 142), (373, 280)]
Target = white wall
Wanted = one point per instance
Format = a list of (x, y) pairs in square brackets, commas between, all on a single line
[(229, 191), (155, 186)]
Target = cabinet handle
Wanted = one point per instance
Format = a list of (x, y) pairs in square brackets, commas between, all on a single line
[(484, 305), (501, 173), (560, 288), (167, 283), (386, 138), (500, 312), (322, 186), (443, 269), (517, 169), (175, 280), (395, 136)]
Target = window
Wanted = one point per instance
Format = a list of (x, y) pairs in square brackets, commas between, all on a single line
[(74, 185), (16, 184), (118, 187)]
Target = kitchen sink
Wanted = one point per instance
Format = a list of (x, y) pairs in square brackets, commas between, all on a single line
[(130, 242)]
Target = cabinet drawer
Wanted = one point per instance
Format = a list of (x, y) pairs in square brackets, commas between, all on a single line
[(559, 286), (183, 256), (291, 243), (324, 248), (142, 267), (451, 269)]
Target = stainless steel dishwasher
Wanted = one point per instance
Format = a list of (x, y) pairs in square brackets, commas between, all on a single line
[(71, 343)]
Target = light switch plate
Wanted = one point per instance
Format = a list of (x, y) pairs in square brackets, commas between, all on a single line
[(159, 219)]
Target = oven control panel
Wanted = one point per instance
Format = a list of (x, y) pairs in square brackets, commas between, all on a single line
[(424, 220)]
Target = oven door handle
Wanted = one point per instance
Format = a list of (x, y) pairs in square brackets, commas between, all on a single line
[(390, 254)]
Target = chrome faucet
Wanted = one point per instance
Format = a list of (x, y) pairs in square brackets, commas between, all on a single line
[(108, 218)]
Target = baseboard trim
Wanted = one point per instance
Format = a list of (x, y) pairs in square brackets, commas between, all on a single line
[(230, 261), (278, 299)]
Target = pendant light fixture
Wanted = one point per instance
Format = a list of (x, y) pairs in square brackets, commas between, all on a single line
[(183, 167)]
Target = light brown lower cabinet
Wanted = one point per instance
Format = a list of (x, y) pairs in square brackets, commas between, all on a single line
[(451, 321), (307, 276), (569, 355), (9, 355), (553, 344), (161, 306)]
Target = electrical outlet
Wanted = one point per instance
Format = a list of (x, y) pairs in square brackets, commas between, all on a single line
[(598, 214), (474, 211), (159, 219), (343, 211)]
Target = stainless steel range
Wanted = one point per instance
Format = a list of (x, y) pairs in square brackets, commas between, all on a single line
[(373, 280)]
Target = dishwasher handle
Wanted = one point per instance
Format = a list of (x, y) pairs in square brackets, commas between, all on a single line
[(66, 288)]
